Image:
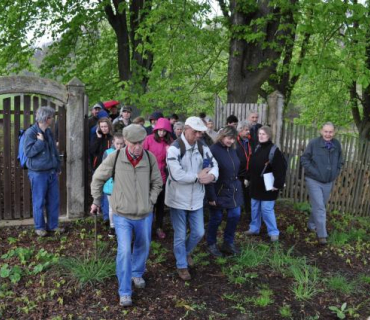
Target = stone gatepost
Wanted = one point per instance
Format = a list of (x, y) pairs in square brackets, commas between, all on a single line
[(275, 103), (75, 149)]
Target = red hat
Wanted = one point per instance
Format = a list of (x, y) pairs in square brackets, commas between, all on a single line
[(111, 103)]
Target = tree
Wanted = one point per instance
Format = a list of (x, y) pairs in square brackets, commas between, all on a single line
[(260, 32), (164, 54)]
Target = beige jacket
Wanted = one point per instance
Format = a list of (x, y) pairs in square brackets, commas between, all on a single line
[(134, 191)]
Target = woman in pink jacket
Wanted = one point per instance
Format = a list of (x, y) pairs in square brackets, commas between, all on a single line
[(158, 143)]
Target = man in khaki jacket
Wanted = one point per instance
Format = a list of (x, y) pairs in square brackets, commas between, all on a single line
[(137, 183)]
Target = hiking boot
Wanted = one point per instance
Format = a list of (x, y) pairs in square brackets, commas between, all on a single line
[(213, 250), (322, 241), (111, 233), (58, 230), (160, 233), (139, 282), (184, 274), (190, 261), (125, 301), (250, 233), (230, 248), (274, 238), (41, 232)]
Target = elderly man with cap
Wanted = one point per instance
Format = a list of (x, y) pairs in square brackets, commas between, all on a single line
[(153, 120), (191, 166), (137, 184), (124, 120)]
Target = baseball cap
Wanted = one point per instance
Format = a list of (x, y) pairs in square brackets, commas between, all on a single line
[(196, 123)]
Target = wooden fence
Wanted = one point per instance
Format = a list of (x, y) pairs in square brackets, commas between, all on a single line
[(351, 192), (17, 112), (240, 110)]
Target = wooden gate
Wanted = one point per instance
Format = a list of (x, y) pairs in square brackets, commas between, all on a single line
[(18, 112)]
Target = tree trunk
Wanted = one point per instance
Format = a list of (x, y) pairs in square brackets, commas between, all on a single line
[(252, 59)]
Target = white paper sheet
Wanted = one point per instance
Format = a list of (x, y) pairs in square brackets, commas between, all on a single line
[(268, 179)]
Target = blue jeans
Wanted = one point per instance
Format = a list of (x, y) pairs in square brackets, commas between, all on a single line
[(264, 210), (129, 264), (233, 217), (319, 196), (45, 194), (105, 206), (183, 245)]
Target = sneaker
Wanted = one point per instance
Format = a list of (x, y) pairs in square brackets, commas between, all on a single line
[(230, 248), (41, 232), (125, 301), (250, 233), (111, 233), (58, 230), (160, 233), (190, 261), (322, 241), (139, 282), (184, 274), (213, 250), (274, 238)]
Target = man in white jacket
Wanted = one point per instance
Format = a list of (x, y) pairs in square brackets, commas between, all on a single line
[(190, 165)]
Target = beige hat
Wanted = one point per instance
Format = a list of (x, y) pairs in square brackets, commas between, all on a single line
[(195, 123), (134, 133)]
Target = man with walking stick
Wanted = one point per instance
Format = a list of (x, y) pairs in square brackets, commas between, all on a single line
[(137, 184)]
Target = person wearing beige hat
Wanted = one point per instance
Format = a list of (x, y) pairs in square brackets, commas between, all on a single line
[(191, 165), (137, 184)]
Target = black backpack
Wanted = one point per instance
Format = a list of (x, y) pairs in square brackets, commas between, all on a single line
[(183, 148), (271, 157)]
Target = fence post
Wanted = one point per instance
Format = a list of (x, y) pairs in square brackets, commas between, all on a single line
[(275, 103), (75, 150)]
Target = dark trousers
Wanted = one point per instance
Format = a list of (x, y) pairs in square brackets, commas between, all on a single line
[(159, 209), (247, 202)]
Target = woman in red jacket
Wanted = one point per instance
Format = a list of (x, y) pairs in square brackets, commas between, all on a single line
[(158, 143)]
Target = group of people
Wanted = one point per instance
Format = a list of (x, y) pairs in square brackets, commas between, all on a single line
[(141, 170)]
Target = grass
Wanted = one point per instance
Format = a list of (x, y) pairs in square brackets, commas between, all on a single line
[(306, 281), (340, 284), (285, 311), (87, 269)]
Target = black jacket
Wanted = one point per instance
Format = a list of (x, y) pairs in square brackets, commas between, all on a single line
[(98, 147), (227, 191), (257, 162), (254, 135), (244, 151), (320, 163)]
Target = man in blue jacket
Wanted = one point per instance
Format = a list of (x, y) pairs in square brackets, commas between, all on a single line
[(322, 161), (43, 165)]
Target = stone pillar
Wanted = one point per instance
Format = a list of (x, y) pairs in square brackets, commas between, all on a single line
[(275, 103), (75, 149)]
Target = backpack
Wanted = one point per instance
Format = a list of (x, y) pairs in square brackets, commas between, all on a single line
[(22, 158), (183, 148), (108, 186), (271, 157)]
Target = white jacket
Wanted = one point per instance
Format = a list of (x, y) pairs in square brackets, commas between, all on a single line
[(183, 191)]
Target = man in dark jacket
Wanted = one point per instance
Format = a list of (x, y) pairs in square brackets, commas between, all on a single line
[(43, 165), (244, 152), (253, 120), (322, 161)]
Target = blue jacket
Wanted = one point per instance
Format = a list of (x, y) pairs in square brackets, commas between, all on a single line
[(227, 191), (108, 185), (42, 155), (322, 164)]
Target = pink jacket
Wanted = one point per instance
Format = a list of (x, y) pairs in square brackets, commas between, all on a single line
[(159, 149)]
